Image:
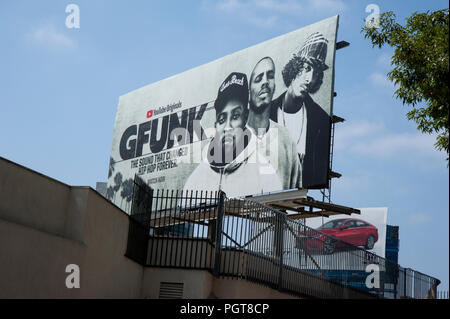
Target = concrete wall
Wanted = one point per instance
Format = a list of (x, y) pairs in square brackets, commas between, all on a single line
[(201, 284), (197, 283), (39, 202), (243, 289), (33, 263), (46, 225)]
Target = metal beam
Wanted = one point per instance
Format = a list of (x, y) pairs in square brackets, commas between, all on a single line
[(320, 213), (334, 174), (327, 206), (307, 215), (341, 45), (284, 207), (337, 119), (279, 196)]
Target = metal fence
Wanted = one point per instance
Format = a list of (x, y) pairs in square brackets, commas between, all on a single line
[(240, 238), (443, 294)]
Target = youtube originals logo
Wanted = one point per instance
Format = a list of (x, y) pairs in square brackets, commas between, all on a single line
[(163, 109)]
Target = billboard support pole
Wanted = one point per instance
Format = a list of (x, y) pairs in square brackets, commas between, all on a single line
[(334, 119), (396, 274), (218, 240), (404, 283), (278, 245)]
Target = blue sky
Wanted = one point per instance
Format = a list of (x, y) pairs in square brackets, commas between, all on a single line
[(60, 88)]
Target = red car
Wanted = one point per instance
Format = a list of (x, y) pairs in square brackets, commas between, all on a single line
[(355, 232)]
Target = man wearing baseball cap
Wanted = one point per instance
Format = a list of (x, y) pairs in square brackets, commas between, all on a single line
[(231, 162), (308, 124)]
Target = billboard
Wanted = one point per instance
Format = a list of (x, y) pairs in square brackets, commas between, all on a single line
[(366, 230), (252, 122)]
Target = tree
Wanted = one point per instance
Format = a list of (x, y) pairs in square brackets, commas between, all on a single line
[(127, 191), (118, 182), (420, 67), (110, 193), (111, 167)]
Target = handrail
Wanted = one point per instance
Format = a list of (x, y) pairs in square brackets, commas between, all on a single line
[(244, 238)]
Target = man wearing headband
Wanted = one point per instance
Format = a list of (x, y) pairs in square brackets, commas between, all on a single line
[(273, 140)]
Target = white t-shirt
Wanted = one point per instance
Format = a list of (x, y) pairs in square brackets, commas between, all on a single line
[(280, 150), (296, 125), (254, 174)]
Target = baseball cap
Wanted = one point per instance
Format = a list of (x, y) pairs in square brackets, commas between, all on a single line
[(234, 86)]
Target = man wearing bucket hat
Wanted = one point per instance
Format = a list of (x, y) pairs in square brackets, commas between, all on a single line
[(308, 124), (231, 162)]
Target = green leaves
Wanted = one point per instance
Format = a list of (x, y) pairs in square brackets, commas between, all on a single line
[(420, 67)]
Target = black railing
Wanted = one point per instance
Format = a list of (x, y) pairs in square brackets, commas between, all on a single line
[(139, 221), (443, 294), (245, 239)]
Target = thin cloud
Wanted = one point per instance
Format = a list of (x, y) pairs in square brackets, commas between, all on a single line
[(361, 182), (267, 13), (383, 66), (380, 79), (269, 5), (49, 37), (384, 61), (229, 5), (261, 22), (374, 140), (280, 6), (406, 144), (419, 219), (326, 5), (347, 134)]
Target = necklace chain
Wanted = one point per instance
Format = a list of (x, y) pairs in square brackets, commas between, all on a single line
[(301, 124)]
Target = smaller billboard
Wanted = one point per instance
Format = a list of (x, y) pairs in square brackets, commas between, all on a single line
[(366, 230)]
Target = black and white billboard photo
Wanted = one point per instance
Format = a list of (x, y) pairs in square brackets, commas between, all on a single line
[(252, 122), (236, 156)]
